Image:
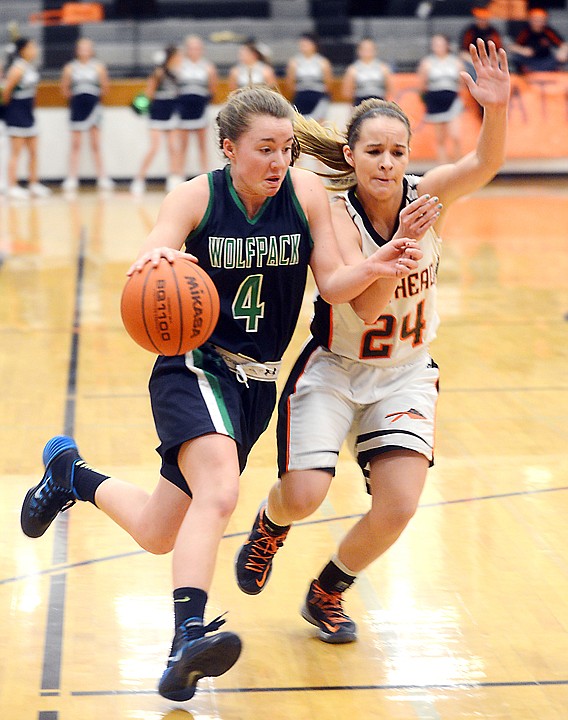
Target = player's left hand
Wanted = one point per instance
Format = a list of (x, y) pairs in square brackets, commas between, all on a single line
[(417, 217), (493, 82)]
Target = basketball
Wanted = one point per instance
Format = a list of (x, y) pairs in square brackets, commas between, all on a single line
[(171, 308)]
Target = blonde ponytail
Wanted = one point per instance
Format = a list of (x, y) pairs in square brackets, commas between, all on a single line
[(326, 145)]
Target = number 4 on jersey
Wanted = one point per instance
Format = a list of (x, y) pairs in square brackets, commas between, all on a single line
[(247, 305)]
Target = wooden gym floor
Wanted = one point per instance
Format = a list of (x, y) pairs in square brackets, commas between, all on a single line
[(466, 617)]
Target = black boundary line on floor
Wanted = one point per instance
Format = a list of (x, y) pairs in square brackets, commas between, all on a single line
[(53, 645), (332, 688), (244, 533)]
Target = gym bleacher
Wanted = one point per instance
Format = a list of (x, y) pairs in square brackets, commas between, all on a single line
[(133, 30)]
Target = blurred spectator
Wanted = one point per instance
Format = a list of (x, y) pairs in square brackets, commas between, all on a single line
[(253, 68), (162, 90), (3, 141), (84, 82), (18, 96), (367, 77), (439, 75), (538, 47), (197, 78), (480, 28), (309, 77)]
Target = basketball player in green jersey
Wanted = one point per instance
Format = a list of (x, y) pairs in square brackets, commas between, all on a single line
[(255, 226)]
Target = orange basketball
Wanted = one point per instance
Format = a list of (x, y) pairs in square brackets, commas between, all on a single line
[(171, 308)]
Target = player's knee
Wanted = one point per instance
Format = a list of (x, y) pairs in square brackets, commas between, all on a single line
[(226, 503), (397, 516), (219, 501), (157, 544), (300, 503)]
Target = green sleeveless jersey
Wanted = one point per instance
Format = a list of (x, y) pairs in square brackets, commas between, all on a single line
[(258, 265)]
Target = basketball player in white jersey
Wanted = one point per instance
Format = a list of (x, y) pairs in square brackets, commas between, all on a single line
[(366, 374)]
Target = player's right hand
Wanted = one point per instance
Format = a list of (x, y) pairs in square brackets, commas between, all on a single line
[(155, 255)]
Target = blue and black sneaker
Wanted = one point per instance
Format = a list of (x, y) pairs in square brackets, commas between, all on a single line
[(195, 656), (325, 611), (55, 492)]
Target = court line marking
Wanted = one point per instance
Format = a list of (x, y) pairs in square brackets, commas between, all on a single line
[(53, 644), (333, 688), (303, 523)]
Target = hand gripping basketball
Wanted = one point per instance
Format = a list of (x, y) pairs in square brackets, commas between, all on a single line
[(170, 308)]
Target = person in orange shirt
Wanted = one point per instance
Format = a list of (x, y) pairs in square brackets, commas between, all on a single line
[(482, 28), (538, 47)]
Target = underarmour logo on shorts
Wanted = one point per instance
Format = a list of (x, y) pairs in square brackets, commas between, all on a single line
[(412, 414)]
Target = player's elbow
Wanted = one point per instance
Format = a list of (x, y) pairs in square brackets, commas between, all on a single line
[(366, 314)]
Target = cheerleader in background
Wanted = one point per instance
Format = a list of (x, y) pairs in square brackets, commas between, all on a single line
[(3, 141), (253, 68), (84, 82), (18, 95), (162, 90), (309, 77), (367, 77), (197, 84), (439, 75)]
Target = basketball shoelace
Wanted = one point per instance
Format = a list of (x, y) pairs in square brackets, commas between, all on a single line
[(50, 491), (262, 549), (330, 605)]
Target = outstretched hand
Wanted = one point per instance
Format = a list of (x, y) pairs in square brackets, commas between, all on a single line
[(492, 85)]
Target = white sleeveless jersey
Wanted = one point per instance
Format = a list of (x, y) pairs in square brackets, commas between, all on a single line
[(407, 324), (250, 74), (369, 79), (27, 85), (443, 73), (85, 78), (193, 77), (309, 73)]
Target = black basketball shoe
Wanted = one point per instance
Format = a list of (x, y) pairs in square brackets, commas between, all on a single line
[(195, 656), (254, 561), (54, 493), (325, 611)]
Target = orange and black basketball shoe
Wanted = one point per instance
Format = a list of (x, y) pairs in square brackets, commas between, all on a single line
[(325, 611), (253, 564)]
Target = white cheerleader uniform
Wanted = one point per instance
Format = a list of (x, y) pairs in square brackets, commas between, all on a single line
[(19, 112), (248, 75), (370, 81), (374, 384), (310, 98), (85, 95), (441, 97), (194, 94), (163, 108)]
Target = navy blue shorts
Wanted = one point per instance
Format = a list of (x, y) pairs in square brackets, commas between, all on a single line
[(196, 395), (191, 110), (163, 114), (85, 111), (19, 117), (309, 102)]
